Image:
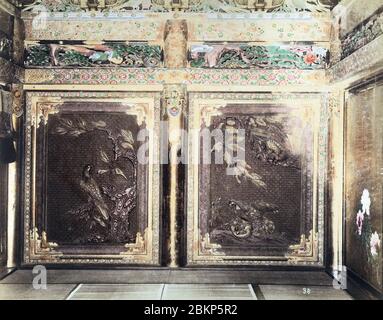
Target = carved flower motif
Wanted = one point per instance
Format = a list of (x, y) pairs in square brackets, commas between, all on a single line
[(374, 244), (310, 58)]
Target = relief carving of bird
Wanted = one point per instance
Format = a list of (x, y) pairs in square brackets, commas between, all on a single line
[(91, 188)]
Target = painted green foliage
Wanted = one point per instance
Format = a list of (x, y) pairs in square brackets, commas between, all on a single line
[(38, 56), (262, 57), (73, 58), (139, 55)]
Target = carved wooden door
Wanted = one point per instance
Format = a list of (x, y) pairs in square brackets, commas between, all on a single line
[(269, 209), (87, 198)]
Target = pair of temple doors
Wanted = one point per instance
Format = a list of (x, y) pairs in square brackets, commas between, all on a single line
[(97, 191)]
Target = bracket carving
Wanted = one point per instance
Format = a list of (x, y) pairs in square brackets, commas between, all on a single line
[(41, 248), (138, 247), (208, 248), (175, 99), (44, 109), (306, 248)]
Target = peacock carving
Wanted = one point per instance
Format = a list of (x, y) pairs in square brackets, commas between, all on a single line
[(110, 190)]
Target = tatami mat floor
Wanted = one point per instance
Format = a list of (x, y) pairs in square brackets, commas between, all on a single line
[(19, 286)]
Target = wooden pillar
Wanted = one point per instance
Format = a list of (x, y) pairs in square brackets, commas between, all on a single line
[(174, 99), (336, 180)]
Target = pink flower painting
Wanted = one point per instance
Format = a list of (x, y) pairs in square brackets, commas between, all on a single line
[(359, 221)]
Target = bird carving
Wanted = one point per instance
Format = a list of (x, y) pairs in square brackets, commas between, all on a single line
[(270, 142), (91, 188), (243, 219)]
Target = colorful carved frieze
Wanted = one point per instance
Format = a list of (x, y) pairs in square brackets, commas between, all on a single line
[(234, 56), (368, 31), (138, 55), (366, 60), (240, 56)]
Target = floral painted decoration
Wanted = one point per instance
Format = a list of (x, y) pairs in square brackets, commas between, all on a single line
[(375, 244), (359, 221), (370, 239)]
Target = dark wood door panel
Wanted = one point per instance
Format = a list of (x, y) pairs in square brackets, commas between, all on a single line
[(266, 210), (88, 199)]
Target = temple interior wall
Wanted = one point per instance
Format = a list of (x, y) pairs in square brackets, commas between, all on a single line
[(181, 61)]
